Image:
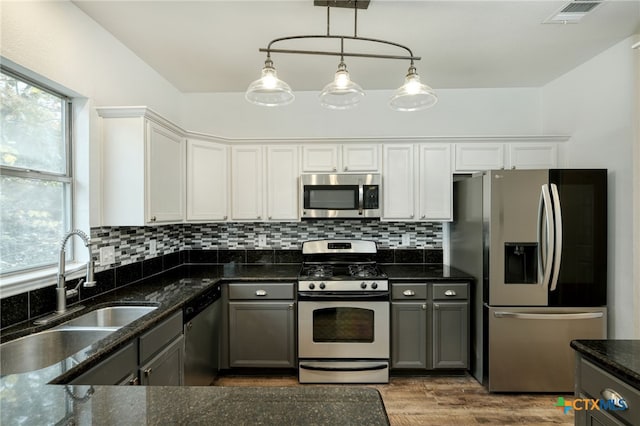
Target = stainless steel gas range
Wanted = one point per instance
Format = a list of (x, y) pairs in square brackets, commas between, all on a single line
[(343, 314)]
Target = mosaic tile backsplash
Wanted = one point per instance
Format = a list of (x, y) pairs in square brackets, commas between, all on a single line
[(132, 244), (220, 243)]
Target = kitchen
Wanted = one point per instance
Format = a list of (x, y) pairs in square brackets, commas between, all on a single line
[(75, 52)]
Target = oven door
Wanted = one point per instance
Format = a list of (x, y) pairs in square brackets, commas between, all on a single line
[(343, 329)]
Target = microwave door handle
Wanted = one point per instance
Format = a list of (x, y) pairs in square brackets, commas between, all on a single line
[(557, 218), (360, 198)]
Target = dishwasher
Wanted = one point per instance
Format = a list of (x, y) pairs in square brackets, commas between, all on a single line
[(202, 337)]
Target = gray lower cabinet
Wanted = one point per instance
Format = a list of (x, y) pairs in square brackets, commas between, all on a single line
[(450, 334), (155, 358), (261, 320), (592, 382), (429, 326), (161, 354), (410, 319), (120, 368), (165, 368), (450, 325)]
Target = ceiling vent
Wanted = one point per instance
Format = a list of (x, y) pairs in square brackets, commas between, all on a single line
[(573, 12)]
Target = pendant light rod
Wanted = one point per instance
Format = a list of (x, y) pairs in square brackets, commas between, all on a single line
[(270, 49)]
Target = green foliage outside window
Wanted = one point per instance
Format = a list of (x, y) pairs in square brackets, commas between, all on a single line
[(35, 184)]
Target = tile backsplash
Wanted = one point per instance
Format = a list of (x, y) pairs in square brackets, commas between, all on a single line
[(132, 244), (221, 243)]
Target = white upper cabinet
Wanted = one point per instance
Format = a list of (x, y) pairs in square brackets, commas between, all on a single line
[(264, 193), (427, 191), (398, 180), (533, 156), (282, 182), (479, 156), (143, 169), (347, 158), (435, 184), (207, 181), (165, 174), (472, 157), (360, 158), (247, 182)]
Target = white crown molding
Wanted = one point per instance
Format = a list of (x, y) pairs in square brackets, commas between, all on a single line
[(146, 112)]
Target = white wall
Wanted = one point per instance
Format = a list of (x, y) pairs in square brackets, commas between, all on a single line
[(595, 103), (459, 112), (57, 41)]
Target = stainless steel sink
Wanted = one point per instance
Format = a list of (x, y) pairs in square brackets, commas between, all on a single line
[(40, 350), (43, 349), (112, 316)]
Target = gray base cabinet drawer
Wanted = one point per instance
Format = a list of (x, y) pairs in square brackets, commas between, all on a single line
[(119, 368), (261, 291), (457, 291), (154, 340), (598, 384), (409, 291)]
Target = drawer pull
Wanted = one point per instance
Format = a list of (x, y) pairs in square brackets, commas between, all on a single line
[(450, 293), (617, 399), (409, 293), (261, 293)]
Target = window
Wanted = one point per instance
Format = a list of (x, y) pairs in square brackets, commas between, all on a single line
[(35, 173)]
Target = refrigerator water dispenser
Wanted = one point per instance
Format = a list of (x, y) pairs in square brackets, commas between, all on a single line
[(521, 263)]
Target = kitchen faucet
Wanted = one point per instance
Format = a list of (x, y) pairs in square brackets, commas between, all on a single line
[(62, 294)]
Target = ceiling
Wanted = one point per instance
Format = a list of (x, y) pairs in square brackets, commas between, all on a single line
[(212, 46)]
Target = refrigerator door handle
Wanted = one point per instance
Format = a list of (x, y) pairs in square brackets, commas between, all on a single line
[(545, 260), (557, 218), (533, 316)]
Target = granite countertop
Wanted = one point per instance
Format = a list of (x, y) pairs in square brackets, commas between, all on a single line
[(621, 358), (424, 271), (210, 405), (169, 292)]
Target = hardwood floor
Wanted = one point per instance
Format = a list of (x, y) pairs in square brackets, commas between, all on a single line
[(438, 400)]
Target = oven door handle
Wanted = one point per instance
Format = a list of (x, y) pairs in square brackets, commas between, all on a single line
[(361, 368), (339, 296)]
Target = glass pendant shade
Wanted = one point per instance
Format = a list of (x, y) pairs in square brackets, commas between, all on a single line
[(269, 90), (341, 93), (413, 95)]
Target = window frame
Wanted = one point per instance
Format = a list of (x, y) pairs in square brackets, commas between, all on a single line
[(67, 178)]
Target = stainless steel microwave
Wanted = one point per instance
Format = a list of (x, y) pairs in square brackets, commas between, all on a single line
[(340, 196)]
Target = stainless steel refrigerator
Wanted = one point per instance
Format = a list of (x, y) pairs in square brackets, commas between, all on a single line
[(536, 242)]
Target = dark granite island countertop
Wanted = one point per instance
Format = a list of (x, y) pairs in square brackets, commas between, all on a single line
[(152, 405), (621, 358)]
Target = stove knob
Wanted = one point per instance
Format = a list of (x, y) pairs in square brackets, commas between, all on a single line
[(322, 286), (363, 285), (374, 285), (312, 286)]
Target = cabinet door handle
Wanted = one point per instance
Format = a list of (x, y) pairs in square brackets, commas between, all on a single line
[(153, 219), (450, 293), (261, 293), (611, 395), (291, 307), (148, 371), (346, 168), (224, 217), (409, 293), (134, 381), (424, 306), (436, 306)]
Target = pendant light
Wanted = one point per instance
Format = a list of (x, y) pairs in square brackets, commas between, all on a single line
[(341, 93), (269, 90), (413, 95)]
